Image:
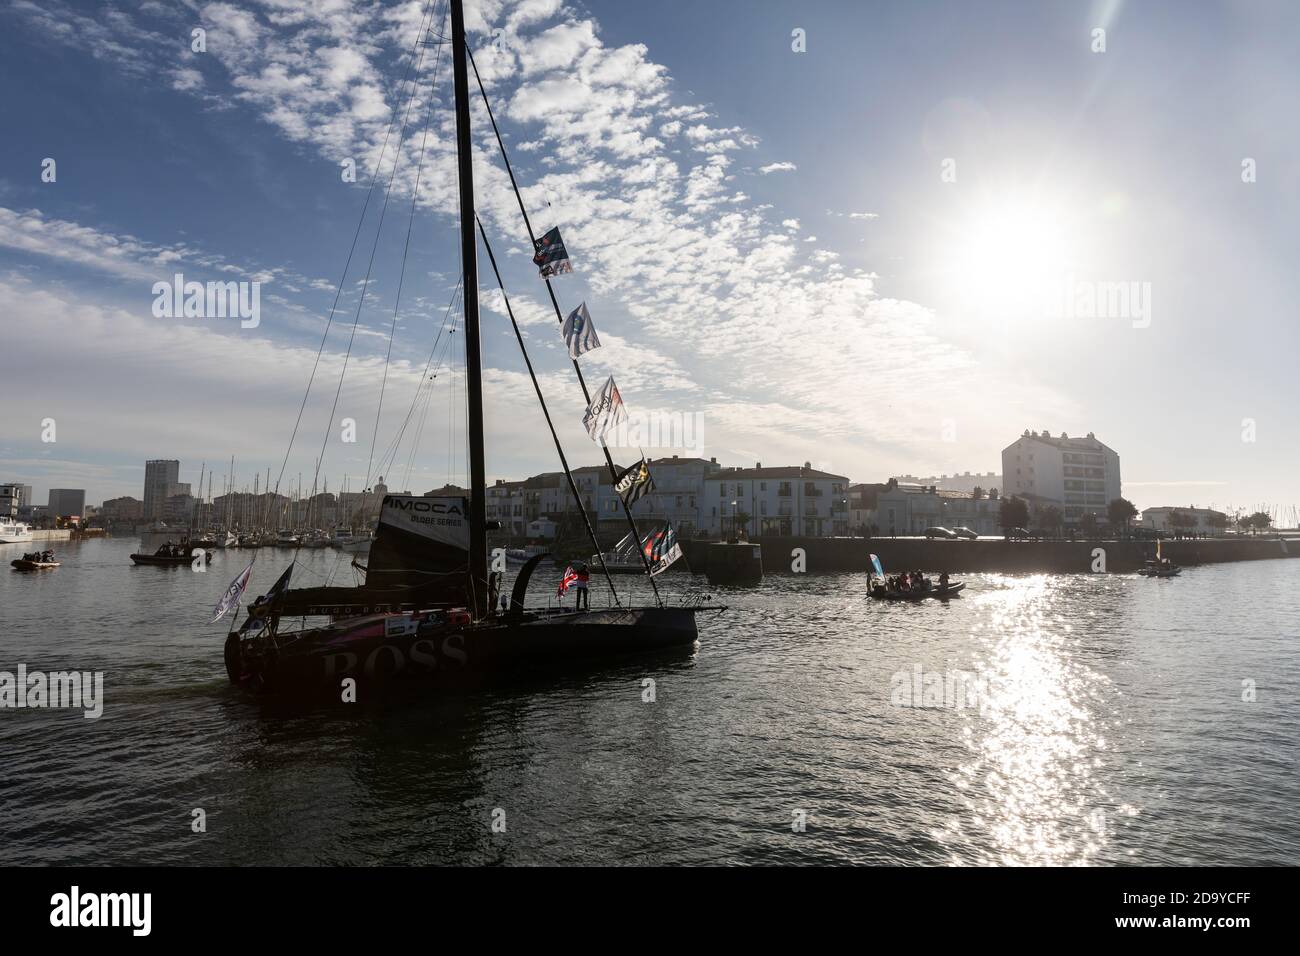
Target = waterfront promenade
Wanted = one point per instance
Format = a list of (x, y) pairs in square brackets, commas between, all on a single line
[(830, 555)]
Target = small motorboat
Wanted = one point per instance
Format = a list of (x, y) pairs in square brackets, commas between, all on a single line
[(881, 594), (36, 561), (172, 556), (1153, 570), (896, 587), (1161, 567)]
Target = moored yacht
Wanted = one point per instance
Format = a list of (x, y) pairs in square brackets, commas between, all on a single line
[(428, 609), (14, 532)]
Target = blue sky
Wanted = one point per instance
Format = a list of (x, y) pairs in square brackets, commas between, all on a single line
[(764, 238)]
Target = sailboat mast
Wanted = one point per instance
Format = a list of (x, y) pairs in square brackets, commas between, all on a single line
[(469, 298)]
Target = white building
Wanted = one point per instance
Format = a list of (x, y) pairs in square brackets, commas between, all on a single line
[(909, 509), (543, 528), (505, 504), (679, 492), (1078, 475), (787, 500), (1197, 520), (966, 481)]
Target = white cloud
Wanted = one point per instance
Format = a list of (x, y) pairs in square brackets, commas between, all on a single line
[(706, 295)]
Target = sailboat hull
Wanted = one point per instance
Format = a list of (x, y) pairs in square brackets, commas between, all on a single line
[(437, 654)]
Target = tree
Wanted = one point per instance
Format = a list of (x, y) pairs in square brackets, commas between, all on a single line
[(1013, 513), (1217, 520), (1176, 520), (1088, 524), (1050, 518), (1119, 512), (1260, 521)]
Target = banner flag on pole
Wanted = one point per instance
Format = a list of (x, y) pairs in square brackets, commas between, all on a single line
[(230, 600), (634, 483), (267, 607), (605, 411), (579, 332), (663, 549), (550, 255)]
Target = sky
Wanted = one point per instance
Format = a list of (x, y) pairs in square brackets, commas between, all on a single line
[(883, 238)]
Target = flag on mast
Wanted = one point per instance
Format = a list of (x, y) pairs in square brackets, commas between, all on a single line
[(634, 483), (230, 599), (266, 609), (605, 411), (550, 255), (579, 332), (663, 549), (875, 563)]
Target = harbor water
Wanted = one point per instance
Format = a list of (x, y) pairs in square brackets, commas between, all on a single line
[(1038, 719)]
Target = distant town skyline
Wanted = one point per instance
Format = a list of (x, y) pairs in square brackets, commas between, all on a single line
[(1009, 228)]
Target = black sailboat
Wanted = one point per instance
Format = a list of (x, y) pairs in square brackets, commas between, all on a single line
[(428, 611)]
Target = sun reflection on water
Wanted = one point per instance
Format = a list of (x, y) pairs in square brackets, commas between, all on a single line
[(1037, 740)]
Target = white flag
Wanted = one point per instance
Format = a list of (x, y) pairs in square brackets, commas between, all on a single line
[(605, 411), (233, 593), (579, 333)]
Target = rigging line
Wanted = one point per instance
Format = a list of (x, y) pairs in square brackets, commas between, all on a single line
[(338, 292), (559, 449), (365, 284), (423, 395), (609, 460), (428, 401), (391, 450), (401, 277)]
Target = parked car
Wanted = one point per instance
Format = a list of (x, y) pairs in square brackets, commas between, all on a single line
[(940, 533), (1019, 534), (965, 532)]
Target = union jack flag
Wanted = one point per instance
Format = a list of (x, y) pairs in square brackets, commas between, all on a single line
[(575, 576)]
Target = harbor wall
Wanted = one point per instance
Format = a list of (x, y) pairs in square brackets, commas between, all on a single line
[(62, 534), (830, 555)]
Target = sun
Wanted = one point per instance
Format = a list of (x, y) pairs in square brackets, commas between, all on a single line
[(1007, 254)]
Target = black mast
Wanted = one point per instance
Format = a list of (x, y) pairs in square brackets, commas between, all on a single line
[(473, 358)]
